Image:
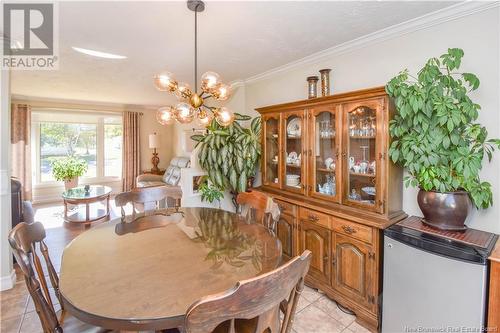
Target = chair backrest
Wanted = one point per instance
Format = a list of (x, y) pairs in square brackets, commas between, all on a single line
[(260, 207), (27, 241), (145, 195), (254, 302)]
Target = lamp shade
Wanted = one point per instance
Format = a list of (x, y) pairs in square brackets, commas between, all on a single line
[(154, 141)]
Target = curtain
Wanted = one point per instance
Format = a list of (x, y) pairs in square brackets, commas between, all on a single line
[(20, 135), (131, 153)]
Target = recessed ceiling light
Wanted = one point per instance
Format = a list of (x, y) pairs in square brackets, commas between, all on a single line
[(98, 53)]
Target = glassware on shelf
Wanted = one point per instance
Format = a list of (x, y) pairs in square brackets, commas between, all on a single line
[(353, 128), (373, 129), (363, 165), (326, 130), (329, 187)]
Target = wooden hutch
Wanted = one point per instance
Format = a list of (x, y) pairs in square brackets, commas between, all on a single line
[(325, 161)]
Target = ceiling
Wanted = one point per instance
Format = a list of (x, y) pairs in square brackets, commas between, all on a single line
[(237, 39)]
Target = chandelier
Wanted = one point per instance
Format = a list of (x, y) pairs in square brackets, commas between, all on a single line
[(192, 105)]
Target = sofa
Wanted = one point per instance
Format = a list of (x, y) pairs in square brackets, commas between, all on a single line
[(171, 177)]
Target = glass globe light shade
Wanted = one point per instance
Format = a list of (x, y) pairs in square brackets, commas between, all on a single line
[(165, 81), (183, 91), (204, 118), (222, 92), (209, 81), (184, 113), (165, 115), (224, 116)]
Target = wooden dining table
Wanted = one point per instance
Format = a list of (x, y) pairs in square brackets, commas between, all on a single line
[(144, 274)]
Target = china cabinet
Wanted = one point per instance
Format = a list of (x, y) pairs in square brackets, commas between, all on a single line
[(325, 162)]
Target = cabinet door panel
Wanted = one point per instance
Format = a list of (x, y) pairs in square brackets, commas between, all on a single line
[(362, 151), (271, 145), (317, 240), (294, 151), (324, 152), (353, 269), (286, 233)]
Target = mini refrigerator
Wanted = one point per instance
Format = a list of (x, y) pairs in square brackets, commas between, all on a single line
[(433, 280)]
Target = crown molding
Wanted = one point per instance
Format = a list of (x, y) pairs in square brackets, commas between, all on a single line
[(438, 17)]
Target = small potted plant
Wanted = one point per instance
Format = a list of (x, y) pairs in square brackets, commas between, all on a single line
[(436, 138), (210, 193), (68, 169)]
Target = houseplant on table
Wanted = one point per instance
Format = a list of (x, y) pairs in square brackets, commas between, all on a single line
[(68, 169), (230, 155), (435, 137)]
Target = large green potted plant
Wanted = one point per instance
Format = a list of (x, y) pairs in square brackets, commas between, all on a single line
[(68, 169), (230, 154), (436, 138)]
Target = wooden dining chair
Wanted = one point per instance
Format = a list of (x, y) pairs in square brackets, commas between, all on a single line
[(260, 207), (27, 242), (142, 196), (253, 306)]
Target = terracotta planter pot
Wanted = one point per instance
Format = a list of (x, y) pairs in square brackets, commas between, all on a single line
[(447, 211), (72, 183)]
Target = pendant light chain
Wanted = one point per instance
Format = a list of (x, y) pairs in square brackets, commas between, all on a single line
[(196, 48)]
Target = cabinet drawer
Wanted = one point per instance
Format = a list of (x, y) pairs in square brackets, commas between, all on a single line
[(287, 208), (354, 230), (315, 217)]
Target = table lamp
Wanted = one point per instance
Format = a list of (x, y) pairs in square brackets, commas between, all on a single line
[(154, 143)]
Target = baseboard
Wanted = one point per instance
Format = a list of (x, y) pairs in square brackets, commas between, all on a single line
[(8, 282)]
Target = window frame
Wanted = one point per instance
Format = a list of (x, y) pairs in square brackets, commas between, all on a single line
[(100, 140)]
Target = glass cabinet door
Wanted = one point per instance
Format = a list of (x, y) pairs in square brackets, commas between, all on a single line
[(361, 151), (324, 172), (271, 161), (294, 146)]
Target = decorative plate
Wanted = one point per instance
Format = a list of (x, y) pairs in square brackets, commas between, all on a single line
[(293, 129), (293, 155), (370, 190)]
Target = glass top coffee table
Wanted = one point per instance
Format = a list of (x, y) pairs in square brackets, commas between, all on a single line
[(81, 196)]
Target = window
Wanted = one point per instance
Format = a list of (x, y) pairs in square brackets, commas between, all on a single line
[(113, 150), (93, 137)]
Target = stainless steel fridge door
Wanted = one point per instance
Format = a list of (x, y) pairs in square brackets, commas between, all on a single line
[(424, 291)]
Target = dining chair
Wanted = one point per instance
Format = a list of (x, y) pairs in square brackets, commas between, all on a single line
[(27, 242), (260, 207), (142, 196), (253, 305)]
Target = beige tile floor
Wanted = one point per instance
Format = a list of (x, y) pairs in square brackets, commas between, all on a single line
[(316, 313)]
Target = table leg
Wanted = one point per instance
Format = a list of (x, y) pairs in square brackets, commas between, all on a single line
[(87, 212), (107, 206)]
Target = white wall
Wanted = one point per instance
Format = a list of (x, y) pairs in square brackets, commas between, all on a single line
[(373, 64), (7, 275)]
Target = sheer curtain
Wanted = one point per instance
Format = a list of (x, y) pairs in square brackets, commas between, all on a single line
[(20, 134), (131, 146)]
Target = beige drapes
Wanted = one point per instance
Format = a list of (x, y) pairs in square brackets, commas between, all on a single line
[(20, 135), (131, 146)]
